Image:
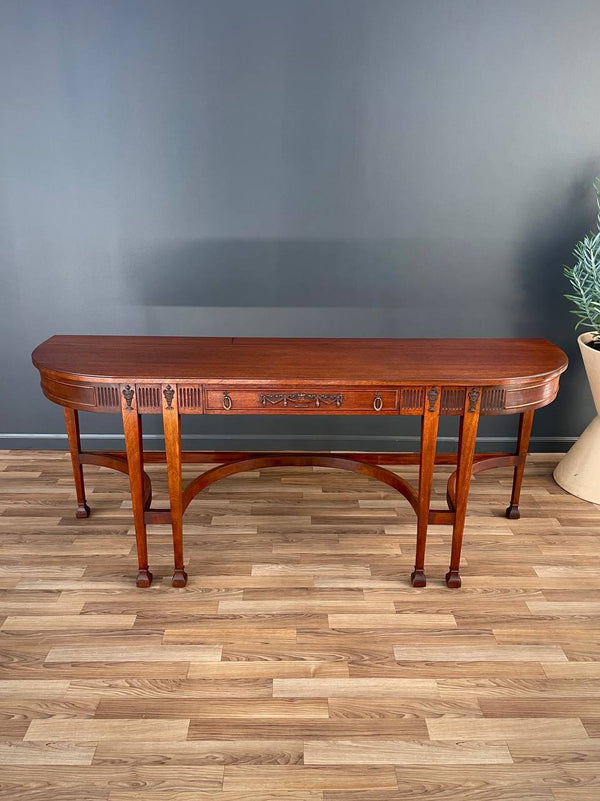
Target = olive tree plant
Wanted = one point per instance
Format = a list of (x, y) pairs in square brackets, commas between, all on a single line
[(584, 277)]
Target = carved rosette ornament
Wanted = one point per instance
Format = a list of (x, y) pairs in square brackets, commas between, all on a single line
[(169, 394), (473, 398), (128, 395), (432, 397)]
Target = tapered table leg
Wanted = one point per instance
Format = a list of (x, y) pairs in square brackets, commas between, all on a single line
[(525, 424), (172, 428), (466, 450), (429, 429), (72, 421), (132, 428)]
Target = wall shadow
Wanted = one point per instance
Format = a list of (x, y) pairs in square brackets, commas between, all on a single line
[(366, 273)]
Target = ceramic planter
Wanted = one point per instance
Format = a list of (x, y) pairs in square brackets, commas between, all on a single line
[(578, 472)]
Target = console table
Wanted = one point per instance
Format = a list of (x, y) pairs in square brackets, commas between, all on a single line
[(172, 376)]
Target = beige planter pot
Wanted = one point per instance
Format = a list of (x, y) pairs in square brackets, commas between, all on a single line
[(578, 472)]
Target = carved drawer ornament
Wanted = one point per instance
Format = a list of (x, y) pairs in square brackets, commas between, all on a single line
[(128, 395), (473, 398), (432, 396), (169, 394), (301, 399)]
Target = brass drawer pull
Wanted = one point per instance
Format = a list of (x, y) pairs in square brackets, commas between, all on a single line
[(301, 399), (227, 402), (378, 402)]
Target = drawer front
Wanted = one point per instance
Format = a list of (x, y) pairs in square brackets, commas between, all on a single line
[(530, 397), (306, 401), (78, 396)]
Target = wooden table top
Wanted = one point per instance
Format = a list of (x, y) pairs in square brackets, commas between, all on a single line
[(326, 361)]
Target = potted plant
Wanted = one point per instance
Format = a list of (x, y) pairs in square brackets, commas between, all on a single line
[(579, 471)]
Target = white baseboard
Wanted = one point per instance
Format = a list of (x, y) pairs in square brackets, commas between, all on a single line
[(275, 441)]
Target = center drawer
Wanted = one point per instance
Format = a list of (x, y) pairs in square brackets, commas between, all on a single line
[(317, 400)]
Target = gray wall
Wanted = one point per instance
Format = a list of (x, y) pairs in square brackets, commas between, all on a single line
[(293, 167)]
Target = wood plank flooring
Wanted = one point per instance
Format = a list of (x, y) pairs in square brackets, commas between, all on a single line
[(298, 664)]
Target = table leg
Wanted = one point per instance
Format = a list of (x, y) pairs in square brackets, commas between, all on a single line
[(429, 429), (466, 450), (525, 424), (172, 429), (132, 428), (72, 421)]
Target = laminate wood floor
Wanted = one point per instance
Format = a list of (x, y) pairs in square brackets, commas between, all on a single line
[(298, 664)]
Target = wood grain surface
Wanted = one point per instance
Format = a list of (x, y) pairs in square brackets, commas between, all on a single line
[(298, 664), (242, 359)]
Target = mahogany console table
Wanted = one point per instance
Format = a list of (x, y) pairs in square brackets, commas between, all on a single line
[(187, 375)]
